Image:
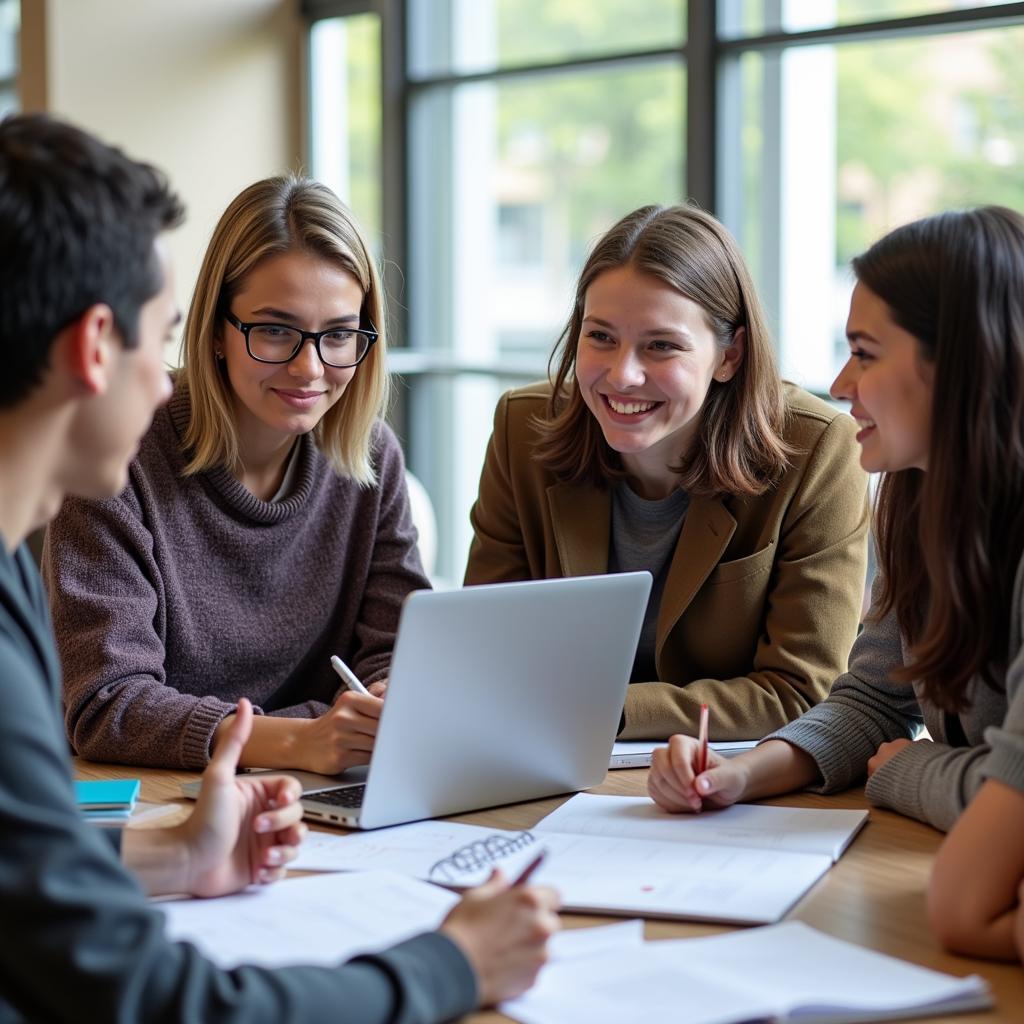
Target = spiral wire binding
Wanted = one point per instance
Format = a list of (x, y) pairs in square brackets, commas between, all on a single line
[(480, 853)]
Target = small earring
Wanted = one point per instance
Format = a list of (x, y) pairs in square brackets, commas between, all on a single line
[(218, 353)]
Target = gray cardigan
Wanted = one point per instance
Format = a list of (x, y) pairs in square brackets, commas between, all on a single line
[(80, 941), (930, 780), (183, 594)]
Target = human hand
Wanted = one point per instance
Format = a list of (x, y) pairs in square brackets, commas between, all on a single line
[(244, 829), (379, 688), (885, 753), (503, 931), (675, 786), (342, 736)]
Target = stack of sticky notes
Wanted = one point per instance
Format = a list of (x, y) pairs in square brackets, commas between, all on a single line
[(107, 802)]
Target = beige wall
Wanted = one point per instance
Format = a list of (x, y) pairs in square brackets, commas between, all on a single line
[(209, 90)]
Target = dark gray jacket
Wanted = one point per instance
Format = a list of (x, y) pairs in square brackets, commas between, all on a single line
[(76, 934)]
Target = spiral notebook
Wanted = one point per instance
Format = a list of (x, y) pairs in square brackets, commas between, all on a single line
[(731, 866)]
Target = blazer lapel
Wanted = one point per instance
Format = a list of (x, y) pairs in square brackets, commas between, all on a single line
[(581, 517), (706, 533)]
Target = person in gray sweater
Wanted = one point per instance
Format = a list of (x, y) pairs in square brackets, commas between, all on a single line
[(86, 304), (936, 383), (265, 525)]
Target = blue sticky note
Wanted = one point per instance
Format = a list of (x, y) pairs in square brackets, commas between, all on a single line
[(108, 794)]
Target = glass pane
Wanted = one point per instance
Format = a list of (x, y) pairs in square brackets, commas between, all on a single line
[(511, 183), (10, 21), (836, 145), (345, 113), (738, 18), (460, 36)]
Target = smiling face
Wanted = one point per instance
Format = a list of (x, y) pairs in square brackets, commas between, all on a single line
[(889, 386), (275, 402), (645, 359)]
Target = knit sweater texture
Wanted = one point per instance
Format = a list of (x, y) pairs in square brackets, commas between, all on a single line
[(933, 779), (183, 594)]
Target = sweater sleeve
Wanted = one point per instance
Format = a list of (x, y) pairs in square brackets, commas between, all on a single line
[(395, 569), (87, 938), (864, 710), (812, 606), (934, 781), (930, 781), (108, 614)]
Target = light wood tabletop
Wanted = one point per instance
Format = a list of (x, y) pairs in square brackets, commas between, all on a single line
[(874, 895)]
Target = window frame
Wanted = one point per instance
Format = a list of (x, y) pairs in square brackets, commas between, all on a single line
[(710, 60)]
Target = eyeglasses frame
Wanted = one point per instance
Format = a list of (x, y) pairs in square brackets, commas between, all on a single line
[(313, 336)]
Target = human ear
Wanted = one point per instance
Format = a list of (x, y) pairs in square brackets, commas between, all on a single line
[(89, 346), (732, 357)]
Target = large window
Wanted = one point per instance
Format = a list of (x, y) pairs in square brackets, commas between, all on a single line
[(493, 140)]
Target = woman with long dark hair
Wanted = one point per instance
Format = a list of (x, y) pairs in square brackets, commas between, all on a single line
[(936, 383)]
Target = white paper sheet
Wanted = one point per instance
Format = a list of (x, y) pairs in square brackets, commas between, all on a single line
[(792, 829), (322, 919), (637, 753), (787, 971)]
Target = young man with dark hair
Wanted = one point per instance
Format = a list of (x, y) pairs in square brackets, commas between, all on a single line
[(86, 304)]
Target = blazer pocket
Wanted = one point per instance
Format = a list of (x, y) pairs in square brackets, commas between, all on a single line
[(757, 564)]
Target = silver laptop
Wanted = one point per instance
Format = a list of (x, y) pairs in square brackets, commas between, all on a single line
[(497, 693)]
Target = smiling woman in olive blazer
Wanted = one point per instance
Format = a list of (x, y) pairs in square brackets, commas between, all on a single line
[(761, 596)]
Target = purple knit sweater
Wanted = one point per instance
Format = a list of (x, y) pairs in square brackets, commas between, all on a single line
[(183, 594)]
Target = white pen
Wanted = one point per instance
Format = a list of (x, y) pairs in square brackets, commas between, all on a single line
[(351, 679)]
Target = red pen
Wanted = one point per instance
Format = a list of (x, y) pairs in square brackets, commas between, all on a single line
[(702, 739), (524, 875)]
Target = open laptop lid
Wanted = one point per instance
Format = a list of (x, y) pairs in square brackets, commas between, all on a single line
[(503, 692)]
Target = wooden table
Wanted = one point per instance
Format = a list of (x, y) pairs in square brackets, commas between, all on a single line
[(874, 895)]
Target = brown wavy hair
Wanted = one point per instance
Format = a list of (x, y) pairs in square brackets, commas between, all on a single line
[(739, 447), (950, 539)]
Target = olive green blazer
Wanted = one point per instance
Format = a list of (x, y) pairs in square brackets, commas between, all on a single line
[(763, 595)]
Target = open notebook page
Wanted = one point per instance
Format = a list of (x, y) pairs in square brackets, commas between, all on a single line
[(792, 829), (601, 874)]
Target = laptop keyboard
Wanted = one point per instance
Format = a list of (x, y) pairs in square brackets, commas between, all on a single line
[(349, 796)]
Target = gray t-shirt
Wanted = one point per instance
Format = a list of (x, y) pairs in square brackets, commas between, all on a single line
[(644, 536)]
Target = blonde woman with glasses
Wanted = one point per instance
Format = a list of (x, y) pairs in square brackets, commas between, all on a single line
[(265, 526)]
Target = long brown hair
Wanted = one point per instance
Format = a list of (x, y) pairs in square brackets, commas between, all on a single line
[(950, 539), (739, 447)]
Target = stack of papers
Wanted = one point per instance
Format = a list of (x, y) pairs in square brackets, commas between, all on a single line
[(786, 972), (107, 802), (600, 975)]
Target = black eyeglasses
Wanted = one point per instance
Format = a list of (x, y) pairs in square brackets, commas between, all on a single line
[(339, 347)]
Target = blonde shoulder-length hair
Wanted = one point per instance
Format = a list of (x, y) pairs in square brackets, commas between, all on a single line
[(739, 447), (268, 218)]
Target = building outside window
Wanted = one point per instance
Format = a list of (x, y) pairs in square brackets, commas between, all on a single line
[(488, 143)]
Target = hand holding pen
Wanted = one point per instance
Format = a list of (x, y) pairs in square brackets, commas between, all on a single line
[(687, 775), (502, 927), (344, 735)]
